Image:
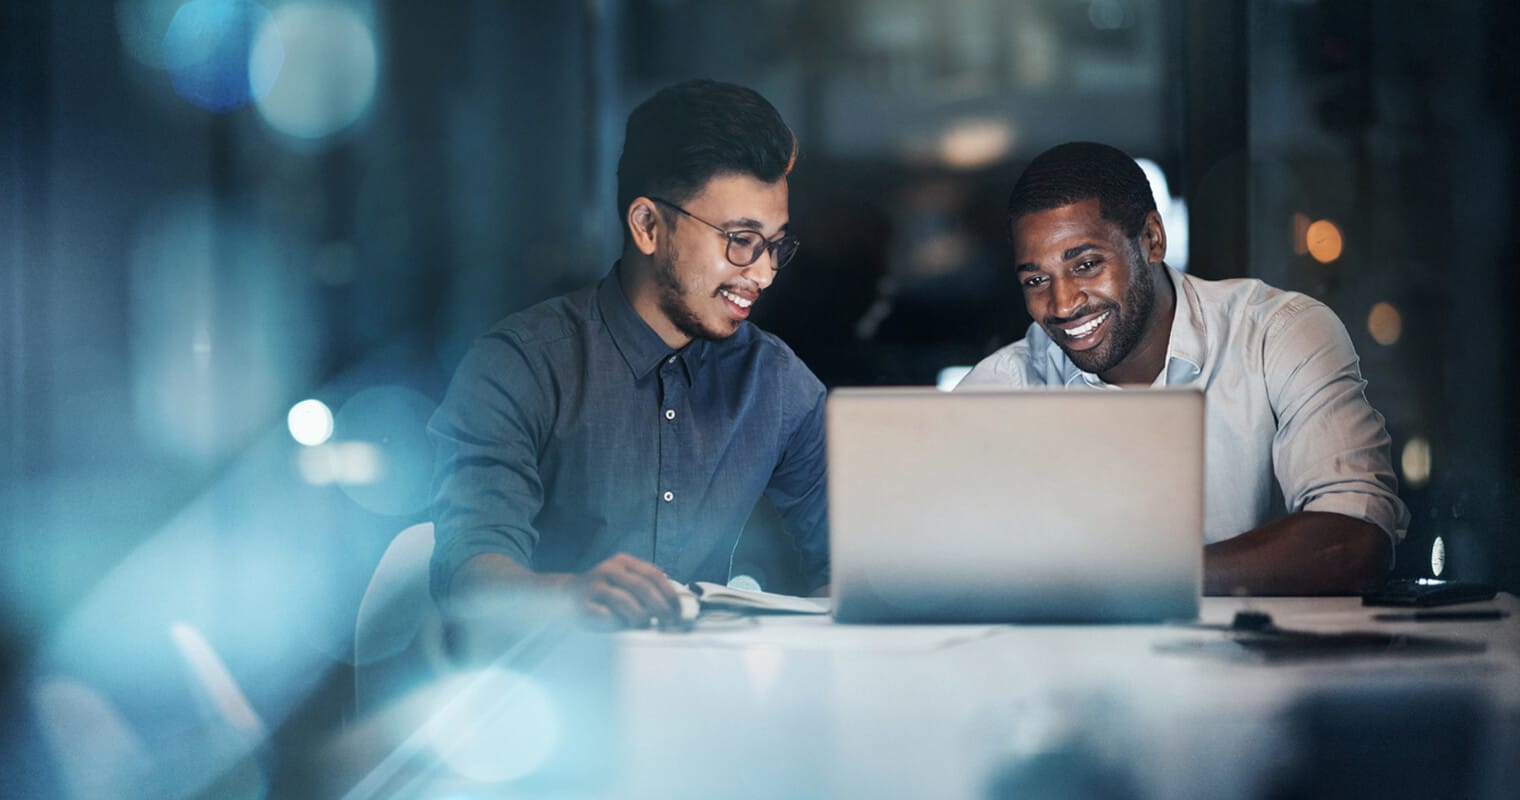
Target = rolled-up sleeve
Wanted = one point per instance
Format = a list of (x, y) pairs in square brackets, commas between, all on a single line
[(486, 436), (798, 486), (1331, 449)]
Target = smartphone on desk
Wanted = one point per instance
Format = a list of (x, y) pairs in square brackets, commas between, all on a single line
[(1426, 592)]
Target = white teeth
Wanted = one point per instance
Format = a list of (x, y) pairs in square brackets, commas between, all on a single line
[(736, 299), (1082, 330)]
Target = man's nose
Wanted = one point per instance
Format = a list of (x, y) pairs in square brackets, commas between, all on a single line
[(763, 271), (1066, 297)]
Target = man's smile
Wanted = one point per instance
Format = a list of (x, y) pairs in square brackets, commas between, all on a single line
[(1081, 336), (739, 302)]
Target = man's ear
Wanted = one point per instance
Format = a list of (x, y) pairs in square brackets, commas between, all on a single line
[(643, 224), (1153, 239)]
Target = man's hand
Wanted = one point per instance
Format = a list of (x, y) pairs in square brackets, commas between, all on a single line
[(624, 591)]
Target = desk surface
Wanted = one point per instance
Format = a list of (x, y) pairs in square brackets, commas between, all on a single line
[(803, 707), (795, 706)]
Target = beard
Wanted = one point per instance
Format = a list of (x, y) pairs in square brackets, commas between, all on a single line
[(675, 300), (1129, 319)]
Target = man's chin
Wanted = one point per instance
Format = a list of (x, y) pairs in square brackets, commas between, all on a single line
[(1090, 361)]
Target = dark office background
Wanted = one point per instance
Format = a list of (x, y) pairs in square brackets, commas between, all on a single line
[(191, 245)]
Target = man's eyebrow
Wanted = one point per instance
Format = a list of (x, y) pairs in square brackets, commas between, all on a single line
[(1066, 255), (1073, 252), (751, 224)]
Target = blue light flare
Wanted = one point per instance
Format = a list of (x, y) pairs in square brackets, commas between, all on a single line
[(392, 420), (206, 53), (320, 65), (497, 725)]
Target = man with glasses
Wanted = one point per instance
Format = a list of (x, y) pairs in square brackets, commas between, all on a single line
[(606, 441)]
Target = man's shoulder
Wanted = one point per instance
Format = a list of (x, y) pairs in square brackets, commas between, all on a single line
[(546, 322), (1248, 299), (769, 352)]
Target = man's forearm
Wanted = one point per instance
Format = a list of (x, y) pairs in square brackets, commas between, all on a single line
[(491, 578), (1305, 553)]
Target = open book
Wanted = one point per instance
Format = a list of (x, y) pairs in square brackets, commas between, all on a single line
[(701, 594)]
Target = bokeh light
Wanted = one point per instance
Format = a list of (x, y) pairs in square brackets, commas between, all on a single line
[(1385, 324), (221, 325), (1161, 190), (744, 582), (1108, 15), (496, 725), (142, 25), (206, 51), (328, 76), (1173, 211), (1323, 239), (976, 143), (392, 420), (341, 463), (1415, 462), (310, 422)]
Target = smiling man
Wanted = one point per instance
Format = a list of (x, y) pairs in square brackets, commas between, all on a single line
[(1300, 496), (601, 442)]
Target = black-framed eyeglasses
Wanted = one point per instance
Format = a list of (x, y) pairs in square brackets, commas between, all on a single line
[(746, 246)]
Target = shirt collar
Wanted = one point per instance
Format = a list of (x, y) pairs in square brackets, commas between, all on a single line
[(1187, 347), (642, 349)]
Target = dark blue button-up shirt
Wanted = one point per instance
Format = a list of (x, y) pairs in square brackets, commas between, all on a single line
[(572, 432)]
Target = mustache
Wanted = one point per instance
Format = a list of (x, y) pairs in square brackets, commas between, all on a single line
[(739, 290), (1084, 311)]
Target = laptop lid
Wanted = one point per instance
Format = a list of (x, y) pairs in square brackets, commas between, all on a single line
[(1034, 505)]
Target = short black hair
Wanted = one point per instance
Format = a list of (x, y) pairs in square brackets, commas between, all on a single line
[(683, 136), (1076, 171)]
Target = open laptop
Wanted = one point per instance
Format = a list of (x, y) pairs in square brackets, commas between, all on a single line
[(1035, 505)]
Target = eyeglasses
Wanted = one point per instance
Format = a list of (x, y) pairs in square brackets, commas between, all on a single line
[(746, 246)]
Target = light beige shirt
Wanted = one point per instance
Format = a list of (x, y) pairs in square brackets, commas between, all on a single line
[(1287, 423)]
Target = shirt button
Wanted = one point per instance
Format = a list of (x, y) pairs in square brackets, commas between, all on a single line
[(669, 496), (670, 413), (670, 360)]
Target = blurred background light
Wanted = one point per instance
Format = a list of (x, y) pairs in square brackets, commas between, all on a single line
[(328, 76), (1438, 557), (1323, 239), (496, 725), (1173, 211), (1385, 323), (1108, 15), (976, 143), (392, 421), (221, 322), (310, 422), (206, 51), (1300, 234), (141, 24), (1160, 189), (1415, 462), (341, 463)]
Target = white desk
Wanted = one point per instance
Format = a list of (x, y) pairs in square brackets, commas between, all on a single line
[(794, 707), (801, 707)]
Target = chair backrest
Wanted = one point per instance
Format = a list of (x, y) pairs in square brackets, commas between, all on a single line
[(398, 635)]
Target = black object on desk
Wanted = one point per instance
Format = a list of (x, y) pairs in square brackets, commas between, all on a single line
[(1425, 592)]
